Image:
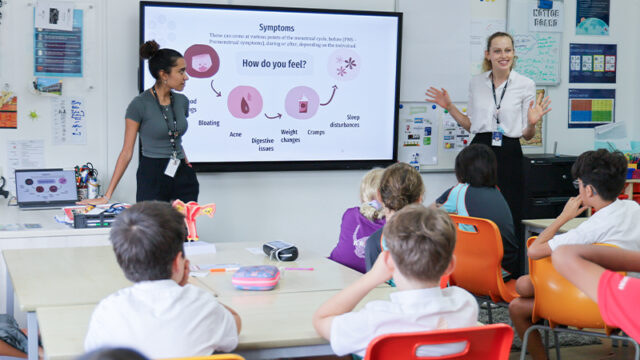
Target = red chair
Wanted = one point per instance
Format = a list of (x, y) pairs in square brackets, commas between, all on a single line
[(482, 342)]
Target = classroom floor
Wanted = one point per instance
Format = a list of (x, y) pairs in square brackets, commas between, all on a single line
[(588, 352)]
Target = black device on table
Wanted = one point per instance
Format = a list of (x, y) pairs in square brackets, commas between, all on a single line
[(280, 250)]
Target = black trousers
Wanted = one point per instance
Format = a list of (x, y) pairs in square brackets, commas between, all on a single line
[(153, 184), (510, 182)]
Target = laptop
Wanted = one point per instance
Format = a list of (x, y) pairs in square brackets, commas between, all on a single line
[(45, 188)]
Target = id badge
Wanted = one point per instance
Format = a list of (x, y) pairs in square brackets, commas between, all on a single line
[(496, 138), (172, 167)]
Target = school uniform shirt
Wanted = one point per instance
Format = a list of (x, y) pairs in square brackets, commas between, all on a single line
[(617, 300), (616, 223), (408, 311), (162, 319), (513, 109)]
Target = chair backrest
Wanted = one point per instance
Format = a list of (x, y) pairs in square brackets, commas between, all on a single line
[(212, 357), (479, 258), (559, 301), (482, 342)]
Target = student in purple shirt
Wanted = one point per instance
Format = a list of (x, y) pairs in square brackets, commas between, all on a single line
[(358, 223)]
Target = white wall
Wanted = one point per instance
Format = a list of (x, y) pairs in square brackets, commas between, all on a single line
[(302, 207)]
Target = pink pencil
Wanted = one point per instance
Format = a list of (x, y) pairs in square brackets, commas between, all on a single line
[(294, 268)]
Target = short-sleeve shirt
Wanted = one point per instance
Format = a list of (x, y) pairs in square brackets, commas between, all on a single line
[(616, 223), (617, 300), (513, 109), (154, 130), (486, 203), (408, 311), (162, 319)]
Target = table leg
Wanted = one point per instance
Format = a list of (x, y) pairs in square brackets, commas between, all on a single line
[(32, 335), (10, 295)]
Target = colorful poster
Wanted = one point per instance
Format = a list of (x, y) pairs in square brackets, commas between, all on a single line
[(592, 17), (454, 136), (58, 52), (8, 110), (591, 107), (418, 134), (593, 63)]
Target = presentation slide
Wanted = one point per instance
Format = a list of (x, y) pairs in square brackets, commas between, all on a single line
[(283, 85)]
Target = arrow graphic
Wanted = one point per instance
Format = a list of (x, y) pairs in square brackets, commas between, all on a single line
[(218, 93), (331, 98), (273, 117)]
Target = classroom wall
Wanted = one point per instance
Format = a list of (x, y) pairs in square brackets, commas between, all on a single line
[(300, 207)]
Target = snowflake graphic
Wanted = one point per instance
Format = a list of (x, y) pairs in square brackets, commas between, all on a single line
[(351, 63), (342, 71)]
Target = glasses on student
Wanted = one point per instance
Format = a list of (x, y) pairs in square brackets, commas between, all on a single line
[(576, 183)]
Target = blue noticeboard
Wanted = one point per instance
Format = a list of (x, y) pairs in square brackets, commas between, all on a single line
[(58, 52)]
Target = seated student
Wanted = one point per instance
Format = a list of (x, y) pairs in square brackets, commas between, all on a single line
[(477, 195), (617, 296), (358, 223), (401, 185), (160, 315), (113, 354), (600, 176), (421, 243)]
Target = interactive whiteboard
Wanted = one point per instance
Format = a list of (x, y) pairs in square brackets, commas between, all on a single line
[(283, 88)]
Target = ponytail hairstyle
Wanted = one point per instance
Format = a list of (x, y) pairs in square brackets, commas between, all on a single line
[(486, 63), (159, 59), (369, 205)]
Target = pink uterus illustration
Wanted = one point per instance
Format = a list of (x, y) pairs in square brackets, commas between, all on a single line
[(191, 211)]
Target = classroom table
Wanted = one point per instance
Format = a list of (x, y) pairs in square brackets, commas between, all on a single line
[(326, 274), (538, 225), (83, 276), (28, 229), (60, 276), (273, 325)]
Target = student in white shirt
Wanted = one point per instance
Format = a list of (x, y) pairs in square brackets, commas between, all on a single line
[(600, 176), (502, 108), (161, 315), (421, 243)]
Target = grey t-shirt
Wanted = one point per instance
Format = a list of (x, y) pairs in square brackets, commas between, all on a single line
[(154, 130)]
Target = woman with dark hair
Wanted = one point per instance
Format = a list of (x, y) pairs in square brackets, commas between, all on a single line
[(502, 108), (477, 195), (159, 116)]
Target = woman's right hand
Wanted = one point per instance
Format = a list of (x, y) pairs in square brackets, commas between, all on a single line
[(99, 201), (440, 97)]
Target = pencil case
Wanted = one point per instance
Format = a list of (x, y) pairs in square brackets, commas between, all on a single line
[(260, 277)]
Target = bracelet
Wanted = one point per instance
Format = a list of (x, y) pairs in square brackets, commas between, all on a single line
[(106, 197)]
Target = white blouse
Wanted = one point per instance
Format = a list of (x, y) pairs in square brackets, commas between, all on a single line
[(513, 109)]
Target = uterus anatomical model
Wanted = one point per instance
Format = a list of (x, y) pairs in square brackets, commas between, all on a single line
[(191, 211)]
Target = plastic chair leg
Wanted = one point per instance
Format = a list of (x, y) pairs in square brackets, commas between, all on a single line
[(557, 344)]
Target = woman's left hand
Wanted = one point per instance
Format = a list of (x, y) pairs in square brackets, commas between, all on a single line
[(536, 112)]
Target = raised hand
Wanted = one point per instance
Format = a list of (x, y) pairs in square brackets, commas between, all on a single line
[(440, 97), (536, 112)]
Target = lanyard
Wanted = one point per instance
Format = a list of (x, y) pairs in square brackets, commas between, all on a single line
[(173, 134), (493, 88)]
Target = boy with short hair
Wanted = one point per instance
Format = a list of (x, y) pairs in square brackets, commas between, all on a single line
[(600, 176), (160, 315), (421, 243)]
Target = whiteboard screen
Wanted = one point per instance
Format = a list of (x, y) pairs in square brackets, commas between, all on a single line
[(278, 88)]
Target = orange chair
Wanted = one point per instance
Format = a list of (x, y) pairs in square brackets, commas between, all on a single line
[(482, 342), (561, 303), (478, 261)]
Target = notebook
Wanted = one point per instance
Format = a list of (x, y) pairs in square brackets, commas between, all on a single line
[(45, 188)]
